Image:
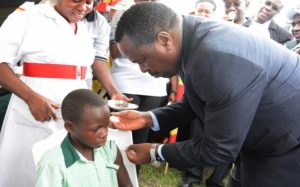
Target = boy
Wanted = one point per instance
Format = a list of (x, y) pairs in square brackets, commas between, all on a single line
[(84, 158)]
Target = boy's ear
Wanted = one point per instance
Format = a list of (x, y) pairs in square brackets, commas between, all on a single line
[(69, 126)]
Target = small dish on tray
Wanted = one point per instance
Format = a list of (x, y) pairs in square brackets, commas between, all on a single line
[(121, 105)]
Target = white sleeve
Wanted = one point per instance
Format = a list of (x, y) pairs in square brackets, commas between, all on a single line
[(113, 24), (12, 34), (101, 39)]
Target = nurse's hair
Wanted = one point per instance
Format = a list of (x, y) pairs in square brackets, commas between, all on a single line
[(75, 103), (143, 21), (92, 16)]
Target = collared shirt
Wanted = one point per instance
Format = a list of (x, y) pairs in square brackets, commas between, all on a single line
[(64, 166), (261, 29)]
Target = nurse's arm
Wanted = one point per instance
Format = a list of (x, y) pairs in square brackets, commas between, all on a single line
[(103, 75), (40, 107)]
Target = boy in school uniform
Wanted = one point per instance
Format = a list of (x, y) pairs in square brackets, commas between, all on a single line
[(85, 157)]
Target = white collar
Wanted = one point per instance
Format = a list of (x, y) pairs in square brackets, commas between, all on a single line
[(50, 12)]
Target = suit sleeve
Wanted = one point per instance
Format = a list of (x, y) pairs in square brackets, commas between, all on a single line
[(173, 116), (231, 88)]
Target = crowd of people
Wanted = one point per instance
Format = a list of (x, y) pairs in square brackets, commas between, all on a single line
[(240, 106)]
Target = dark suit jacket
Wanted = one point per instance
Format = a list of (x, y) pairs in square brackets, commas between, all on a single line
[(246, 91), (277, 33)]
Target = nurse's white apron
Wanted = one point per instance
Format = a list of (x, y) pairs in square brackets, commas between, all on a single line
[(20, 131)]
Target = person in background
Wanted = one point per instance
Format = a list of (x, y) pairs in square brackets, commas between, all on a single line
[(294, 45), (235, 11), (55, 50), (264, 25), (247, 100), (85, 157), (205, 8)]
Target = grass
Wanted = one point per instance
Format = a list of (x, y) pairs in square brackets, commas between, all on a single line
[(151, 176)]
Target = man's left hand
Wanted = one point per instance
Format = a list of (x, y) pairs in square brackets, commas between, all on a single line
[(139, 153)]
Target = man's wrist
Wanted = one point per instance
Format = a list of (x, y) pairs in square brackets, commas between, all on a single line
[(154, 156), (148, 119)]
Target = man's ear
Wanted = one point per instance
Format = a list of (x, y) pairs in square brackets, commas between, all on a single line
[(164, 39), (69, 126)]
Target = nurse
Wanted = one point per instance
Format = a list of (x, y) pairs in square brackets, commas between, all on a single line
[(55, 49)]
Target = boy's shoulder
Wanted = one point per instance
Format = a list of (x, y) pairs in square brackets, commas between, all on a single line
[(53, 156)]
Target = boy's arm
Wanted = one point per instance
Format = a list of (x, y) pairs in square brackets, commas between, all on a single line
[(122, 174)]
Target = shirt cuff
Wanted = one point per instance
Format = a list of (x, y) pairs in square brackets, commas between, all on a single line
[(159, 151), (155, 122)]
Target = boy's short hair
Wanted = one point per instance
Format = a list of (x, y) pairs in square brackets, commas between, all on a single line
[(77, 101)]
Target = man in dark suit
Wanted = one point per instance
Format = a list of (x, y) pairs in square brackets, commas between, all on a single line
[(264, 20), (244, 89)]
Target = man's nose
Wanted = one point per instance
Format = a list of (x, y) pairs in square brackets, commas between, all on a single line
[(268, 7), (143, 67), (231, 8)]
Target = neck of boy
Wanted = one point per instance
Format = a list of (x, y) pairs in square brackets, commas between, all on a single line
[(86, 151)]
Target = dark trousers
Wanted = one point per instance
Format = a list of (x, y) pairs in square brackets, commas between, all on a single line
[(4, 100), (281, 170), (234, 177), (195, 129), (215, 179)]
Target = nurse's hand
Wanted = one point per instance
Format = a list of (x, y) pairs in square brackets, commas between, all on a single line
[(120, 96), (131, 120), (139, 153), (42, 108)]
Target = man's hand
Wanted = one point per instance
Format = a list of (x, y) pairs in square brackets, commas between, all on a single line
[(131, 120), (139, 153), (42, 108)]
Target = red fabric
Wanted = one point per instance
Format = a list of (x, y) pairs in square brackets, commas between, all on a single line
[(172, 138), (180, 91), (102, 7), (52, 71)]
